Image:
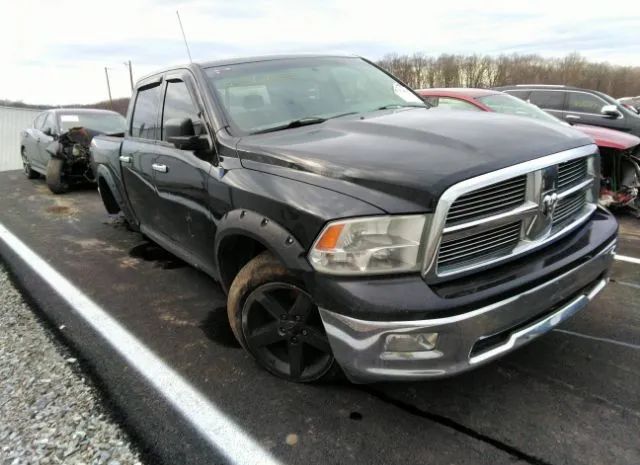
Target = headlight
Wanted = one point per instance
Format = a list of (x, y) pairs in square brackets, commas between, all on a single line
[(375, 245)]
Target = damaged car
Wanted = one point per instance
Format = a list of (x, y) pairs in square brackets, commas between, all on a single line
[(57, 146), (619, 151)]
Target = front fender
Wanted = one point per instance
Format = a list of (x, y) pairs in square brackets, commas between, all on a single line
[(272, 235)]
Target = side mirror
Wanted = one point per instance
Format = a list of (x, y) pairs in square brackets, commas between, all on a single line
[(611, 111), (47, 132), (180, 132), (194, 143)]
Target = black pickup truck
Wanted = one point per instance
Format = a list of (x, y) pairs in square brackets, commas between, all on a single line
[(354, 229)]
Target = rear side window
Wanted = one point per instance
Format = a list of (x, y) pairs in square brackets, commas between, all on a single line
[(584, 103), (145, 113), (178, 105), (547, 99)]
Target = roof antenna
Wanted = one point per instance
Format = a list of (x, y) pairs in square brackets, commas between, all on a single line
[(184, 37)]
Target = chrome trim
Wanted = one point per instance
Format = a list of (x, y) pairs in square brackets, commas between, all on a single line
[(539, 171), (359, 348), (159, 168), (125, 159)]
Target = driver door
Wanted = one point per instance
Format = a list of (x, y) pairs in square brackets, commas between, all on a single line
[(181, 176), (45, 138)]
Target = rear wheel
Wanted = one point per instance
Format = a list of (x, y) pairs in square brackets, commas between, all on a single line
[(278, 323), (26, 166), (55, 176)]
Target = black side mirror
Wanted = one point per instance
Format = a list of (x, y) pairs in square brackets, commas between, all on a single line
[(194, 143), (47, 132), (180, 132)]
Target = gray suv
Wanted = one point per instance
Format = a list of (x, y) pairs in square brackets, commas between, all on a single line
[(575, 105)]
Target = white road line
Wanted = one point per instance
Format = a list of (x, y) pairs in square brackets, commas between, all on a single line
[(625, 283), (215, 427), (600, 339), (624, 258)]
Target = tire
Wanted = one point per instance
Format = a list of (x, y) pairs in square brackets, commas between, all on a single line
[(277, 322), (26, 166), (54, 176)]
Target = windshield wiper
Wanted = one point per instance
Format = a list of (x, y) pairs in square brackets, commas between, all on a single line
[(401, 105), (296, 123)]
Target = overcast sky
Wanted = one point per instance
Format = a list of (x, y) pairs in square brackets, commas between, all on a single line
[(55, 52)]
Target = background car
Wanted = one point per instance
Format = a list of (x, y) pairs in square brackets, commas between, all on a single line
[(576, 105), (57, 146), (620, 152), (632, 103)]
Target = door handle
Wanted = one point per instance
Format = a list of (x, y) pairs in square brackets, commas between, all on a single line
[(125, 159), (572, 117), (159, 168)]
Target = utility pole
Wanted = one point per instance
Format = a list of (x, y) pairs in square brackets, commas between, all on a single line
[(130, 73), (184, 37), (106, 73)]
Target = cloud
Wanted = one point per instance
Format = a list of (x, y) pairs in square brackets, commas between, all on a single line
[(55, 52)]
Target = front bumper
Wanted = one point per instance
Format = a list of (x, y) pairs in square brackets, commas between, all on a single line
[(469, 339)]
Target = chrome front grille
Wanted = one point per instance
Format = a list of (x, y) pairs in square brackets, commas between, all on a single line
[(568, 207), (489, 200), (478, 247), (571, 173), (494, 217)]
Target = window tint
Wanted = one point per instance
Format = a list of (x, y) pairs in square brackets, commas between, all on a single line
[(143, 122), (448, 103), (178, 105), (584, 103), (521, 94), (547, 99)]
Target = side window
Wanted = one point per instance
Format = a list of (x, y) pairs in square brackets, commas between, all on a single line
[(50, 123), (179, 106), (449, 103), (521, 94), (584, 103), (547, 99), (145, 112), (37, 123)]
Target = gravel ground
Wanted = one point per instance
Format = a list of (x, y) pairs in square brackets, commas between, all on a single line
[(49, 413)]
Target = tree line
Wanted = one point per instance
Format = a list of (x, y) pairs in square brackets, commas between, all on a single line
[(420, 71)]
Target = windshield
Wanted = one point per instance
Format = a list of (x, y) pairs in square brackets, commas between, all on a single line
[(273, 94), (107, 123), (505, 103)]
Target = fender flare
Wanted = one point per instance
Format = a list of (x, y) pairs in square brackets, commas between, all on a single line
[(277, 239), (103, 173)]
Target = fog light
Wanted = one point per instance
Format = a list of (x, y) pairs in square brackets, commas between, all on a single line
[(410, 342)]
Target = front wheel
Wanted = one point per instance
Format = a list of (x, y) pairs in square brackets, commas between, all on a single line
[(55, 176), (26, 166), (278, 323)]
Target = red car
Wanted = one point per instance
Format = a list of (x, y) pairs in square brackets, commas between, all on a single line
[(620, 151)]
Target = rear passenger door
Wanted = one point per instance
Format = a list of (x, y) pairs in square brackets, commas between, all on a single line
[(551, 101), (138, 153), (586, 108), (181, 176)]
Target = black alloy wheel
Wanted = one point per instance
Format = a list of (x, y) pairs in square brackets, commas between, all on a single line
[(283, 331)]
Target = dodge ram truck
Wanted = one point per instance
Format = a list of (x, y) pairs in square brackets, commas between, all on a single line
[(353, 229)]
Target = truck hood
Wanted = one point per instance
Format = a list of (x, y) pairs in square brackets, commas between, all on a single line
[(404, 159), (608, 137)]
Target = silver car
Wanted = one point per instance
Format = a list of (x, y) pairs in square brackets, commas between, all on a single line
[(57, 146)]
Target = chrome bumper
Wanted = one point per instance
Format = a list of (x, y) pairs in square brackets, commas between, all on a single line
[(359, 346)]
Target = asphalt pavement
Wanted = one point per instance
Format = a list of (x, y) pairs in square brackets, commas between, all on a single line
[(570, 397)]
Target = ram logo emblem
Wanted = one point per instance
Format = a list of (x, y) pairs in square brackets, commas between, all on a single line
[(549, 203)]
